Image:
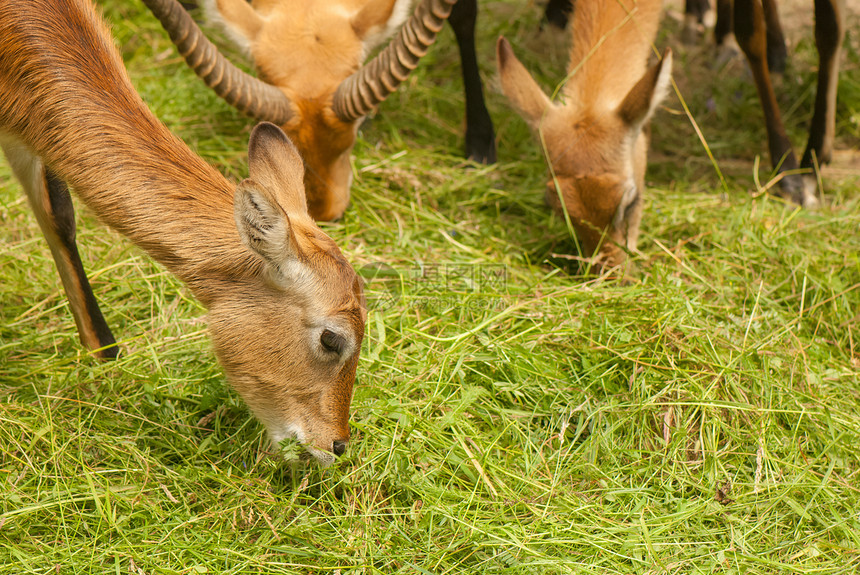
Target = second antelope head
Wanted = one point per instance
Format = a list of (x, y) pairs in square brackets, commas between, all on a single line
[(595, 139), (289, 333), (308, 56)]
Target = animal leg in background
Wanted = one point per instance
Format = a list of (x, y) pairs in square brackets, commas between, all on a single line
[(694, 19), (777, 53), (750, 26), (480, 138), (558, 12), (723, 24), (829, 34)]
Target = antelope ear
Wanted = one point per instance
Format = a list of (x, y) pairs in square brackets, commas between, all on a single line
[(237, 17), (641, 101), (518, 85), (265, 229), (275, 164), (378, 19)]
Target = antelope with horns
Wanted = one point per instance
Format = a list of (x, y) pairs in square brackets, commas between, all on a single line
[(308, 56), (285, 308), (595, 140)]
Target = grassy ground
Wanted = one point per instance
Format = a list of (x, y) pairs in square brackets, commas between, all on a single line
[(510, 416)]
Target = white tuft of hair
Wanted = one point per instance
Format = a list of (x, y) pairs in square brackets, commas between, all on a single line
[(376, 36), (213, 16)]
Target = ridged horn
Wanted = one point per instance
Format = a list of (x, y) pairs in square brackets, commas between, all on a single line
[(369, 86), (246, 93)]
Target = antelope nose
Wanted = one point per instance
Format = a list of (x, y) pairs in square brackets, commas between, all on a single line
[(338, 447)]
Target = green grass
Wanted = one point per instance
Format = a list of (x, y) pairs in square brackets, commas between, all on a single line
[(547, 423)]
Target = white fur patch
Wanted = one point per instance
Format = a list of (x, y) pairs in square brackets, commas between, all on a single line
[(631, 191), (630, 195), (295, 276), (661, 88), (399, 15), (214, 17)]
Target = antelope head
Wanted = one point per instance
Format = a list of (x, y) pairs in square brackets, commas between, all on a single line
[(289, 335), (308, 57), (596, 151)]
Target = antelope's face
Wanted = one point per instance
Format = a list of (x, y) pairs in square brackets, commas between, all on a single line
[(308, 50), (597, 176), (596, 154), (288, 333), (325, 143), (289, 346)]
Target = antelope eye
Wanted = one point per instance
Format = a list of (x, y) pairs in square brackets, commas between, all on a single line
[(333, 342)]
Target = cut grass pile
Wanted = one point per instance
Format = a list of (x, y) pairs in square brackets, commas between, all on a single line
[(510, 416)]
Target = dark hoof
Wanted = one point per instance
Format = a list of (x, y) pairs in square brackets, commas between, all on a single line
[(792, 188), (726, 52), (111, 352), (481, 150)]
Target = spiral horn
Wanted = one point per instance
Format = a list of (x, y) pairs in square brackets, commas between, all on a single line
[(365, 89), (244, 92)]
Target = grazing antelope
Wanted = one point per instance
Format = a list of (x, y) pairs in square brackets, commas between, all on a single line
[(285, 307), (595, 140), (308, 56)]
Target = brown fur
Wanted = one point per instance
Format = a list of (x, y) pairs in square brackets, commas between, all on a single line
[(308, 49), (594, 139), (271, 279)]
